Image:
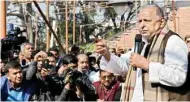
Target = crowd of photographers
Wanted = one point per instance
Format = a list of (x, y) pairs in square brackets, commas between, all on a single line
[(48, 76)]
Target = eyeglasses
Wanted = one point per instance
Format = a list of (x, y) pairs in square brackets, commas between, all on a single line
[(107, 77)]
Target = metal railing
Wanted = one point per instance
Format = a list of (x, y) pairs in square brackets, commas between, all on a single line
[(110, 35)]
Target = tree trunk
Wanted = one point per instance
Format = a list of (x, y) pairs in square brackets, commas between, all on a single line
[(29, 23)]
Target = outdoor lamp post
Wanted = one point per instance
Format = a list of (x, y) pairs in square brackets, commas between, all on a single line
[(121, 6)]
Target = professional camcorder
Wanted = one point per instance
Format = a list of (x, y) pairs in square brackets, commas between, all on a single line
[(11, 44)]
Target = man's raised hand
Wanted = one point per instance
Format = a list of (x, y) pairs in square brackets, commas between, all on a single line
[(101, 48)]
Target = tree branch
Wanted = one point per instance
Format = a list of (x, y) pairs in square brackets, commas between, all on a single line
[(16, 14)]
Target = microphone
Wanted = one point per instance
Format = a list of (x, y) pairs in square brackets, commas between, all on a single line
[(138, 42)]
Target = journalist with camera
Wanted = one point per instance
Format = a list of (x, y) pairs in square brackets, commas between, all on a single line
[(48, 83), (77, 87), (11, 44)]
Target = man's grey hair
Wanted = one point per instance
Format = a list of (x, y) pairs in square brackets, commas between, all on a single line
[(159, 10), (81, 55), (22, 46)]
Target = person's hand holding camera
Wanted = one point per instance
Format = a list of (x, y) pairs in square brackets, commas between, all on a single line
[(67, 86), (79, 92), (67, 78)]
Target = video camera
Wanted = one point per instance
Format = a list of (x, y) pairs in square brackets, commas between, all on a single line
[(77, 79), (71, 76), (11, 44)]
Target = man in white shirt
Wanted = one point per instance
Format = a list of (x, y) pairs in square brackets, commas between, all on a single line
[(161, 66)]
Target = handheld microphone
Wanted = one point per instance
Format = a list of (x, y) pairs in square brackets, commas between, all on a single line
[(138, 42)]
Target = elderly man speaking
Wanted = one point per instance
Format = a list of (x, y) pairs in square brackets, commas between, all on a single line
[(161, 66)]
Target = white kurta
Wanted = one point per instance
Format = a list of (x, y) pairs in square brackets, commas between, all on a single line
[(171, 73)]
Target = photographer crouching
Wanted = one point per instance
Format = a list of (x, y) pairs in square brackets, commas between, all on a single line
[(76, 87)]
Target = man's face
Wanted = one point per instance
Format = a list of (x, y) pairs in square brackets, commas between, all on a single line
[(112, 51), (28, 51), (83, 64), (148, 22), (39, 63), (55, 54), (106, 78), (52, 61), (15, 75), (62, 69)]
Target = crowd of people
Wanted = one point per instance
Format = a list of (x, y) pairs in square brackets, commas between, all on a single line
[(49, 76), (159, 73)]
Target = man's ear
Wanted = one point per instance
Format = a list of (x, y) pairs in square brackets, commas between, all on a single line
[(163, 23)]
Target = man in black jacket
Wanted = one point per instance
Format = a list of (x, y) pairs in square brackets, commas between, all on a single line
[(48, 84), (77, 87)]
